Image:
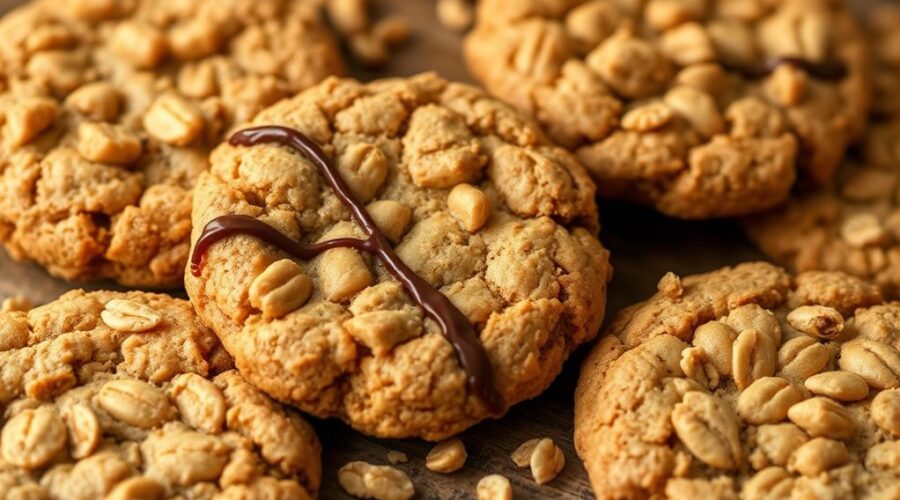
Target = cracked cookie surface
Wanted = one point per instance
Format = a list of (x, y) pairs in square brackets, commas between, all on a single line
[(853, 223), (664, 101), (127, 395), (746, 383), (475, 201), (109, 109)]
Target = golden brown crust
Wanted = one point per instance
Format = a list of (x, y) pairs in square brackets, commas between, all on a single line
[(640, 92), (531, 276), (108, 111), (745, 383)]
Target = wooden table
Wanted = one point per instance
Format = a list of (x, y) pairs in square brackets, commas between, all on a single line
[(644, 246)]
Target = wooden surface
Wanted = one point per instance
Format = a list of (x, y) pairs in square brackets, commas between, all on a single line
[(644, 246)]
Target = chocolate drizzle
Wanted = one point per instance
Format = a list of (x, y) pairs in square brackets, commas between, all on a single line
[(454, 325), (826, 70)]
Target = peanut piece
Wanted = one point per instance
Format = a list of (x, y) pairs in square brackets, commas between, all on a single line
[(17, 303), (862, 229), (696, 107), (27, 118), (470, 206), (877, 363), (648, 117), (106, 143), (886, 411), (380, 331), (33, 438), (754, 317), (803, 357), (456, 15), (200, 402), (522, 456), (282, 288), (817, 321), (494, 487), (392, 30), (688, 44), (135, 403), (709, 429), (716, 340), (140, 44), (174, 120), (364, 168), (822, 417), (135, 488), (348, 16), (364, 480), (771, 482), (839, 385), (368, 50), (753, 357), (98, 101), (195, 39), (767, 400), (819, 455), (391, 217), (129, 316), (547, 461), (446, 457), (698, 368), (84, 430)]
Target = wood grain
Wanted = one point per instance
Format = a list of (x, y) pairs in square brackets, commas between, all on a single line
[(644, 246)]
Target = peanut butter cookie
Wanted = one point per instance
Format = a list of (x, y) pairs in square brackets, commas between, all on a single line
[(698, 108), (746, 383), (853, 223), (408, 255), (124, 396), (108, 110)]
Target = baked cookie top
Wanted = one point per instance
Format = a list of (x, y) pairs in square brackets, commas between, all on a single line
[(464, 191), (853, 223), (127, 395), (108, 110), (699, 108), (746, 383)]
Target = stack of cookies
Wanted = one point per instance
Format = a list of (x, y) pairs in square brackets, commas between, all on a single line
[(411, 256)]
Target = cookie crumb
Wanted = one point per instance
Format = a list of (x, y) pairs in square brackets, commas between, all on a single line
[(547, 461), (397, 457), (670, 286)]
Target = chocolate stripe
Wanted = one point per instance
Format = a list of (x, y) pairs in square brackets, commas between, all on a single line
[(454, 325), (826, 70)]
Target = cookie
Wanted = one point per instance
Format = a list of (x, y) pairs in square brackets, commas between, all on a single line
[(408, 255), (853, 223), (128, 395), (700, 109), (108, 111), (745, 382)]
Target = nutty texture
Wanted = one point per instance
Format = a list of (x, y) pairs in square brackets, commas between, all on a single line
[(651, 97), (109, 109), (531, 277), (853, 223), (88, 410), (812, 418)]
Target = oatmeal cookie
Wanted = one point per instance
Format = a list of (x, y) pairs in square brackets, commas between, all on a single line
[(700, 109), (108, 110), (127, 395), (746, 383), (465, 223), (853, 223)]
